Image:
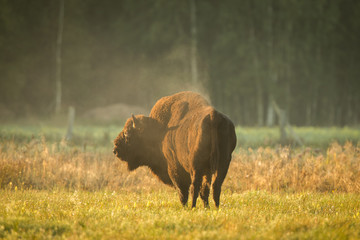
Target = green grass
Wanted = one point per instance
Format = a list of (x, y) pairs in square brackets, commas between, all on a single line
[(34, 214), (100, 137), (91, 137), (316, 137)]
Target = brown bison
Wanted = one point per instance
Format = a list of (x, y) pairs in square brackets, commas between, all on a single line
[(185, 142)]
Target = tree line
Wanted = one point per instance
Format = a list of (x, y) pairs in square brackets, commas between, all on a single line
[(303, 56)]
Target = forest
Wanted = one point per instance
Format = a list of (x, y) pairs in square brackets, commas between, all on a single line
[(246, 57), (263, 63)]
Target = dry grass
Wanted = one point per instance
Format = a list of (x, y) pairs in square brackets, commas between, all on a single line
[(304, 170), (39, 165)]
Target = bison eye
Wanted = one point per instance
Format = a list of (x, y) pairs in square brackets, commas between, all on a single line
[(126, 136)]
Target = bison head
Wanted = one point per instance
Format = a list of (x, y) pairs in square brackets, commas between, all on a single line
[(141, 135)]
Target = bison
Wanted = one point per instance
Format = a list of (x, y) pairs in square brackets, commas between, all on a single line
[(185, 142)]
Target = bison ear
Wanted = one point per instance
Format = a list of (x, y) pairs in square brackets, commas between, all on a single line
[(134, 120)]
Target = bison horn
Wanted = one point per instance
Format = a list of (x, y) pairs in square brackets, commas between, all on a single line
[(134, 120)]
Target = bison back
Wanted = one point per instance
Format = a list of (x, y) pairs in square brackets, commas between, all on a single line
[(170, 110)]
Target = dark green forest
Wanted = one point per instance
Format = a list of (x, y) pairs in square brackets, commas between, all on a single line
[(249, 56)]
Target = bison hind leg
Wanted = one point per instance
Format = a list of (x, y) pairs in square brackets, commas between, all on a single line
[(196, 180), (219, 179), (216, 191), (205, 190)]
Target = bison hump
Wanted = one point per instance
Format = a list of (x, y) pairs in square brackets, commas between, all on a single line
[(172, 109)]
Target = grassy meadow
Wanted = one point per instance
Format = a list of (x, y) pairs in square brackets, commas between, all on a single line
[(52, 188), (158, 215)]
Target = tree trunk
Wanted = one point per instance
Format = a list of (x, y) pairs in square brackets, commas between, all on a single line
[(287, 59), (270, 118), (256, 69), (272, 70), (283, 123), (308, 113), (260, 104), (193, 47), (58, 91), (71, 120)]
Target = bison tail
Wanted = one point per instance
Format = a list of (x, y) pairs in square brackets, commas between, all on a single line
[(214, 155)]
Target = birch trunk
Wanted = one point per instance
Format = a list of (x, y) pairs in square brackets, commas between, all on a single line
[(58, 91), (193, 47)]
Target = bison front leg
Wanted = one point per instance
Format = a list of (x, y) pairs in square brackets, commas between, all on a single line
[(184, 195), (183, 190), (181, 180)]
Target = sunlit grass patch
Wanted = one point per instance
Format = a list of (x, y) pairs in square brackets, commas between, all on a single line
[(127, 215)]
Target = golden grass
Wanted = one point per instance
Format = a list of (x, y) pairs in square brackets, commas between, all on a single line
[(39, 165), (304, 170)]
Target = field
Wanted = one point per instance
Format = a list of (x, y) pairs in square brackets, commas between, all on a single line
[(158, 215), (52, 188)]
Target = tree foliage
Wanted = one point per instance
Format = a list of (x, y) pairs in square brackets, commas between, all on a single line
[(303, 54)]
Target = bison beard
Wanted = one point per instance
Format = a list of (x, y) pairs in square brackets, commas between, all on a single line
[(185, 142)]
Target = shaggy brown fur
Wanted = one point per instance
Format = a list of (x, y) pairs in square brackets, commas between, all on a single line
[(184, 141)]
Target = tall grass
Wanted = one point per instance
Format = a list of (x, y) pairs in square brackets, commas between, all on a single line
[(41, 165), (37, 165), (283, 169)]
